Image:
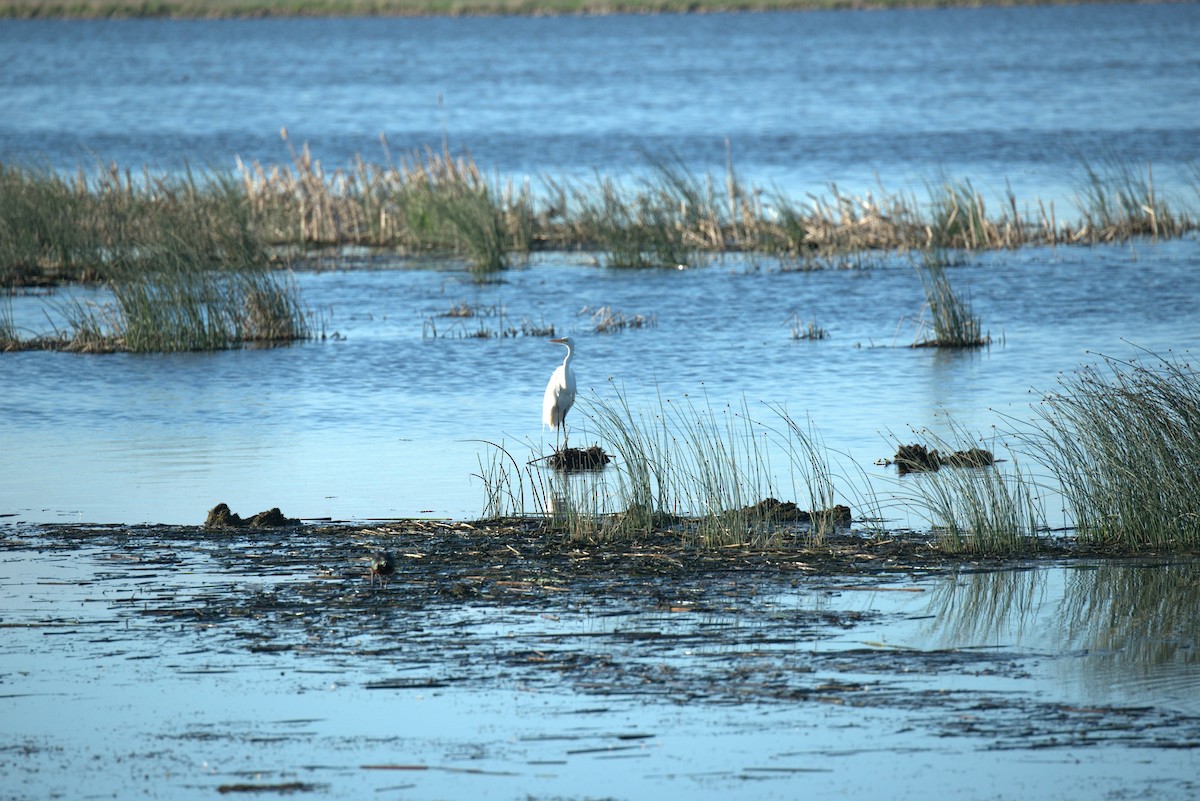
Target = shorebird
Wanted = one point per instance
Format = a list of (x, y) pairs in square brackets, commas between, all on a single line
[(383, 565), (560, 392)]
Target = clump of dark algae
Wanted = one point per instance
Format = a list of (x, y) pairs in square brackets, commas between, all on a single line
[(221, 516), (570, 460), (919, 459), (789, 512)]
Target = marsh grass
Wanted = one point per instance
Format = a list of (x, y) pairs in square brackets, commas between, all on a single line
[(606, 320), (976, 509), (432, 201), (428, 201), (185, 267), (482, 322), (809, 331), (9, 337), (1118, 200), (1124, 444), (954, 322), (703, 473)]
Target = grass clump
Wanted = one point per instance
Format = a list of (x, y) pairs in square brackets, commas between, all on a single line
[(805, 331), (954, 323), (182, 260), (704, 474), (972, 505), (606, 320), (1124, 444)]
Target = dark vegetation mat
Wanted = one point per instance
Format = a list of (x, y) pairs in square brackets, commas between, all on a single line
[(512, 603)]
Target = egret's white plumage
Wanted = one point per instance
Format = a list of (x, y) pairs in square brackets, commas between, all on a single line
[(560, 392)]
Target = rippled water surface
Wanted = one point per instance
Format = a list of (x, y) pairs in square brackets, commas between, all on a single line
[(193, 664), (384, 418), (804, 99)]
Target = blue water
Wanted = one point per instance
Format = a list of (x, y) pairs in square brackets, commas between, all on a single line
[(996, 95), (385, 420), (382, 419)]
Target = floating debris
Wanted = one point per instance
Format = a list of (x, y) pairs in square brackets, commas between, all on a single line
[(220, 516), (787, 511), (919, 459), (572, 459)]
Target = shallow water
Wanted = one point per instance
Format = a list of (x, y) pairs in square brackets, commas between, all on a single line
[(387, 420), (194, 661)]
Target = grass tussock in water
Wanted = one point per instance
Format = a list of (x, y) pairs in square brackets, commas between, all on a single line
[(702, 473), (183, 263), (1124, 444), (953, 322)]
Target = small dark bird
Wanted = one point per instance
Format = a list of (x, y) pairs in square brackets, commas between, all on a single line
[(383, 565)]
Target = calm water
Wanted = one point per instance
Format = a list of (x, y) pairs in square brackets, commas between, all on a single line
[(190, 663), (804, 99), (386, 420)]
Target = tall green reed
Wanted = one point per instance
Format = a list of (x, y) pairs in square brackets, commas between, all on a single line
[(1124, 445), (954, 322), (976, 509)]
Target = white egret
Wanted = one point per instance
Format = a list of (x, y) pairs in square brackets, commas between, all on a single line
[(560, 392)]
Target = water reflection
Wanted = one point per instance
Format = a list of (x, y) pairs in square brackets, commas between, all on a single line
[(1124, 631)]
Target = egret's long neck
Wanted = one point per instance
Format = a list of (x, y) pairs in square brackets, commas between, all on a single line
[(567, 358)]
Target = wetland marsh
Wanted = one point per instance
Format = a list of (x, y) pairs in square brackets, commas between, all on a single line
[(539, 655)]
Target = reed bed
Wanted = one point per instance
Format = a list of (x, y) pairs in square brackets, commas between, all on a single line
[(429, 201), (705, 474), (432, 201), (1124, 444), (185, 267), (184, 241)]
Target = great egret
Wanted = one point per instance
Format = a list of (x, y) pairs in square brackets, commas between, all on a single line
[(383, 565), (560, 392)]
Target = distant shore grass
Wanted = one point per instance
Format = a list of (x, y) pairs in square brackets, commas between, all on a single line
[(218, 237), (213, 9), (57, 229)]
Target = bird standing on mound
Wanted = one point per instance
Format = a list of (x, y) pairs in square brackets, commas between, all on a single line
[(383, 565), (560, 392)]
